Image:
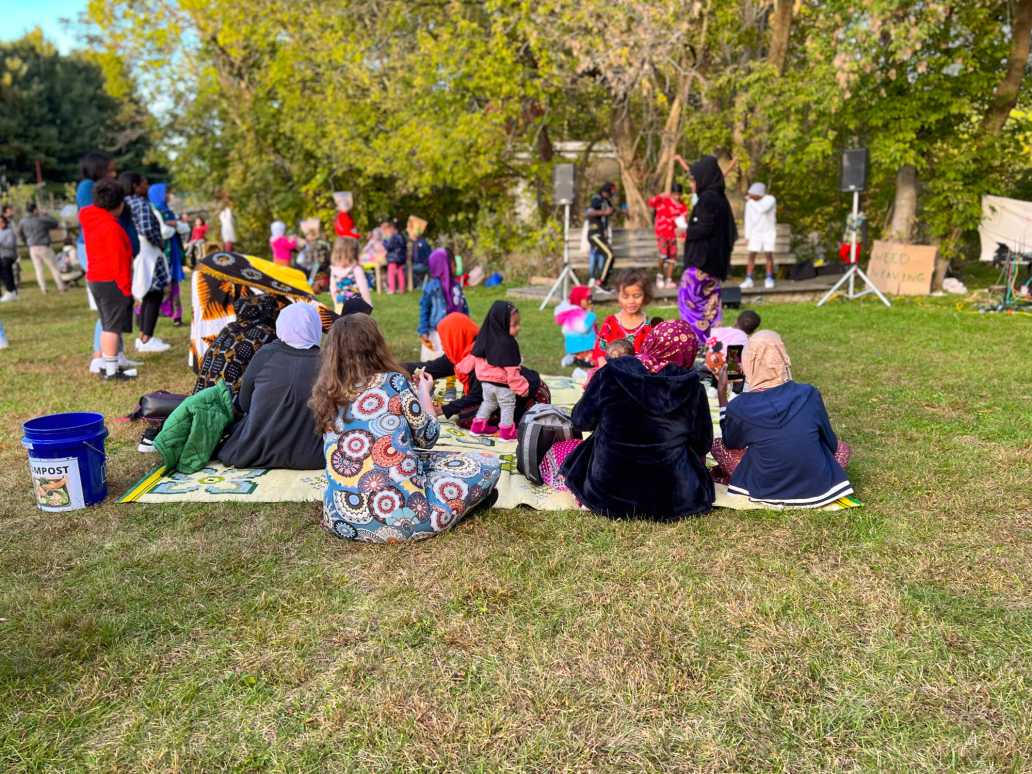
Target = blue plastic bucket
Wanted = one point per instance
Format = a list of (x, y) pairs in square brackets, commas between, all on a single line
[(66, 460)]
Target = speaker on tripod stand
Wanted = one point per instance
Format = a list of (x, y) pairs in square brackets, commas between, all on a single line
[(564, 190), (853, 179)]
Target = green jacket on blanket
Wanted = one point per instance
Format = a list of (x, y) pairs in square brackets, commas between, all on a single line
[(194, 429)]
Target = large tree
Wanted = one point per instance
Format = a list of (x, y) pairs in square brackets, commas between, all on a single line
[(54, 108)]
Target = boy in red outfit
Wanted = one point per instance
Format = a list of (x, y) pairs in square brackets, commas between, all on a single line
[(109, 271), (669, 208)]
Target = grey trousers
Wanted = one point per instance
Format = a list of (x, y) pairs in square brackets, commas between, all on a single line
[(501, 398)]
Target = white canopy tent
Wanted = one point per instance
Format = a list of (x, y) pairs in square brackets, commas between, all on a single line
[(1005, 220)]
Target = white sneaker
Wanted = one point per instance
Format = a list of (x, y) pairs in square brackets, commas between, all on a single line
[(97, 367), (768, 283), (591, 282), (153, 344), (660, 281), (9, 296), (747, 283), (124, 362)]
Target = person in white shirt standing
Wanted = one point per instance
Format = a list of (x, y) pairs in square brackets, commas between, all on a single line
[(226, 226), (761, 227)]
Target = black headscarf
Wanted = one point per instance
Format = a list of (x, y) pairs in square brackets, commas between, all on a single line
[(712, 232), (355, 305), (493, 343), (707, 174)]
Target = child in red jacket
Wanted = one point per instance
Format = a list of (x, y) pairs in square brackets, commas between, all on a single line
[(109, 271)]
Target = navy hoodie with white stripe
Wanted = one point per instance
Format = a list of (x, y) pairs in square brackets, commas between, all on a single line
[(790, 446)]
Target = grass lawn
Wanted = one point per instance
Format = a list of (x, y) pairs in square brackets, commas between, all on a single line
[(893, 637)]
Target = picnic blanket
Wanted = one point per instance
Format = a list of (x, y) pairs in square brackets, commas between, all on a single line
[(217, 483)]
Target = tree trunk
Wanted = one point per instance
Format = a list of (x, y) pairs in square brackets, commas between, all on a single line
[(671, 134), (632, 174), (1006, 95), (780, 30), (904, 210)]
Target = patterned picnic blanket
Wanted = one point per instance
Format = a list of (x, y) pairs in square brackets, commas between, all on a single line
[(217, 483)]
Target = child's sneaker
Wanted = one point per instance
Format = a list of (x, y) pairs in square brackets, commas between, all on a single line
[(747, 283), (769, 283), (146, 445), (9, 296), (118, 376), (480, 427), (125, 363), (507, 433)]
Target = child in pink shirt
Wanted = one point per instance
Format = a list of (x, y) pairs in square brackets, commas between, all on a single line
[(283, 246)]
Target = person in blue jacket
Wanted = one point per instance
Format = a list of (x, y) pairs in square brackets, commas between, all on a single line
[(778, 447)]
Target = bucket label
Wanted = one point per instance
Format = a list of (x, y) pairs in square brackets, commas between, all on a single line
[(56, 483)]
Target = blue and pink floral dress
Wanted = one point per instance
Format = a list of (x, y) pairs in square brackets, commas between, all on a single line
[(383, 485)]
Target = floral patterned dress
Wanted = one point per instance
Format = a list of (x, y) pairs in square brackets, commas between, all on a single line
[(382, 485)]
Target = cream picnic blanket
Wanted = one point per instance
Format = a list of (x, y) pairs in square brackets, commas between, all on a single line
[(217, 483)]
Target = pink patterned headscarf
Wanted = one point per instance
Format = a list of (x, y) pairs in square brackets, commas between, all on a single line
[(669, 342)]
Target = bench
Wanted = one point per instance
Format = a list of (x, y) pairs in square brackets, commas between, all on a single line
[(637, 248)]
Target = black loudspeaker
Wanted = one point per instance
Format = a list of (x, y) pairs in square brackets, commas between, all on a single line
[(731, 296), (563, 183), (854, 170)]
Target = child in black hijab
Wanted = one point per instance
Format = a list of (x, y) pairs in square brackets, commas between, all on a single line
[(496, 355)]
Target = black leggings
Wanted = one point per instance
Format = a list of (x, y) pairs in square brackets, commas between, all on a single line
[(150, 306), (599, 243), (7, 274)]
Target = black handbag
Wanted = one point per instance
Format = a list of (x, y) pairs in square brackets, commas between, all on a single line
[(156, 406)]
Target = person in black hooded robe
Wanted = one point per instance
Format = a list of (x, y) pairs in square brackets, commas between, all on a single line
[(708, 244)]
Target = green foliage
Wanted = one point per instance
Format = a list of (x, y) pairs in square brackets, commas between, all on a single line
[(54, 108), (443, 108)]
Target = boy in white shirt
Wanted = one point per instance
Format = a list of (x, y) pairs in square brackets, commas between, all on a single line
[(761, 226)]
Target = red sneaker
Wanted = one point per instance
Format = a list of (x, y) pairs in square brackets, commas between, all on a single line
[(507, 432)]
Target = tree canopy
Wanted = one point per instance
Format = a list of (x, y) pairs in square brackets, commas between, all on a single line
[(445, 106), (54, 108)]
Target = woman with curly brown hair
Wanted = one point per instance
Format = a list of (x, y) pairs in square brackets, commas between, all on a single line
[(382, 485)]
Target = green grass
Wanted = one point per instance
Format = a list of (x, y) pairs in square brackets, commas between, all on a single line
[(894, 637)]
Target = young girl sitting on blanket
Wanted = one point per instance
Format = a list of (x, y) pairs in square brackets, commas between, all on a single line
[(634, 291), (496, 356), (577, 320), (619, 348), (347, 278)]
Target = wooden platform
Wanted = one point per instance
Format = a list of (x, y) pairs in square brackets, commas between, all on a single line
[(637, 248), (785, 291)]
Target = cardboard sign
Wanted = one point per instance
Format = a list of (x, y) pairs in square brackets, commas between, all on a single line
[(902, 270)]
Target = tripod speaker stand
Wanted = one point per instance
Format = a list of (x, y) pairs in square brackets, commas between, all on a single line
[(854, 178), (563, 182)]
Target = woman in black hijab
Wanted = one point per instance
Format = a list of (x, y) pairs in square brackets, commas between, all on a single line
[(707, 249)]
